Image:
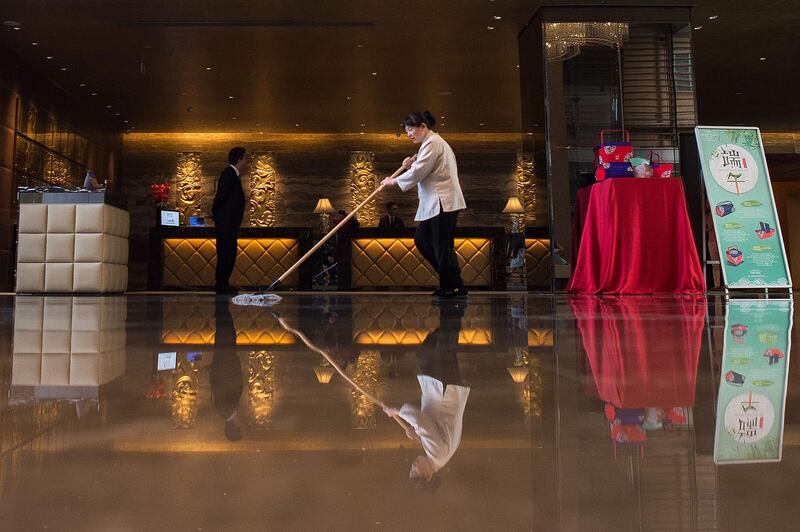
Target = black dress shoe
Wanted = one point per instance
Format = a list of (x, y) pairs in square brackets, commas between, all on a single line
[(453, 293)]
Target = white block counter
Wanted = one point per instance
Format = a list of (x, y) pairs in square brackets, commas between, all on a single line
[(71, 242)]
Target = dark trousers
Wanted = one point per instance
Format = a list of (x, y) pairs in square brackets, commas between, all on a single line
[(226, 255), (435, 241)]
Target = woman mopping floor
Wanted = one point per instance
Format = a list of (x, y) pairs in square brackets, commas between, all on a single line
[(433, 170)]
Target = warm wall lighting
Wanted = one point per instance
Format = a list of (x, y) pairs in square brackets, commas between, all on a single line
[(518, 373)]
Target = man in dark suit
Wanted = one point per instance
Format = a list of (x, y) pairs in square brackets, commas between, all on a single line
[(228, 211), (391, 220)]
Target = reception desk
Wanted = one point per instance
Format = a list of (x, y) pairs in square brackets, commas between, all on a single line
[(184, 258), (72, 242)]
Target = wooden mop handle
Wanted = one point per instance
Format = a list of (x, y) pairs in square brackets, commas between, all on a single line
[(333, 231), (338, 369)]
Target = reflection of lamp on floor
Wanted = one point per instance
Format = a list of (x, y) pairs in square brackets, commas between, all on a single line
[(324, 372), (324, 209), (515, 208)]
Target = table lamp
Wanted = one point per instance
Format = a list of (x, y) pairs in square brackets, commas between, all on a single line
[(515, 208), (324, 209)]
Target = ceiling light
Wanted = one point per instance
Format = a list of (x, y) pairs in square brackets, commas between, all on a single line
[(698, 28), (349, 98), (480, 124), (361, 133), (297, 125), (116, 114), (234, 118), (260, 132), (17, 28), (229, 97), (63, 69), (374, 73), (359, 45), (49, 57), (713, 17), (441, 117), (11, 23), (362, 125), (208, 68), (35, 44), (108, 107), (489, 27), (124, 121), (497, 17), (83, 84), (763, 58), (94, 94)]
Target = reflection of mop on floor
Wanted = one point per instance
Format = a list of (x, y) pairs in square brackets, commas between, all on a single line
[(288, 328)]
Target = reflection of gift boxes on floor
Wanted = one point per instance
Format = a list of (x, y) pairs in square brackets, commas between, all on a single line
[(734, 255), (724, 208), (764, 230)]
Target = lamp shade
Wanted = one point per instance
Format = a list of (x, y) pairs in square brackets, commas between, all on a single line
[(324, 207), (324, 374), (518, 373), (514, 206)]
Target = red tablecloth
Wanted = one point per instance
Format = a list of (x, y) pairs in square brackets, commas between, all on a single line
[(637, 240), (643, 352), (579, 220)]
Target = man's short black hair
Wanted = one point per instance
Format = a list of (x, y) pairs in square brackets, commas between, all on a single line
[(236, 155)]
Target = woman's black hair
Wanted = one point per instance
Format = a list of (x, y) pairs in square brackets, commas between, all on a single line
[(419, 118)]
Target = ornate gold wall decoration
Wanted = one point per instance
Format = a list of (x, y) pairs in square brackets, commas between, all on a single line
[(262, 190), (532, 392), (188, 184), (362, 184), (260, 386), (526, 187), (184, 395), (365, 373), (56, 170)]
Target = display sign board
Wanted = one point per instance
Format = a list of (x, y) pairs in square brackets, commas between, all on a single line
[(170, 218), (752, 389), (167, 361), (743, 208)]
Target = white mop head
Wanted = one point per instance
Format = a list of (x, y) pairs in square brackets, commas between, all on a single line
[(256, 300)]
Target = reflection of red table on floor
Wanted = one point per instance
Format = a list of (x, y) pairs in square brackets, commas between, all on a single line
[(643, 352), (637, 239)]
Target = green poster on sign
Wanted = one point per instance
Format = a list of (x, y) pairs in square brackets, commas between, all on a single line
[(742, 207), (752, 389)]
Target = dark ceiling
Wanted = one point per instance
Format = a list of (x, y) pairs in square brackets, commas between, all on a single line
[(311, 63)]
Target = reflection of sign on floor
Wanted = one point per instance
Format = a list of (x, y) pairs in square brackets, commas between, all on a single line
[(749, 417), (752, 391)]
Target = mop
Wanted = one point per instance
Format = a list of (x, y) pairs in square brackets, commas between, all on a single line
[(374, 400), (267, 299)]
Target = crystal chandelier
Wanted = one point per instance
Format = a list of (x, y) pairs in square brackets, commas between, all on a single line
[(564, 39)]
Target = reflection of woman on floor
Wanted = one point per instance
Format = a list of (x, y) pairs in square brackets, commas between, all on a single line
[(226, 372), (437, 424)]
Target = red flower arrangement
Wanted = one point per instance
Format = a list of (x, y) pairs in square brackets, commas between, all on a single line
[(160, 191)]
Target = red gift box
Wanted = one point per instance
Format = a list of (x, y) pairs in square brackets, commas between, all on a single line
[(660, 168), (613, 152)]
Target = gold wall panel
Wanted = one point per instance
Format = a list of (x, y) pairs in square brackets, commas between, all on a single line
[(260, 386), (192, 323), (397, 262), (526, 187), (365, 373), (184, 397), (188, 183), (191, 262), (362, 184), (537, 262), (263, 178)]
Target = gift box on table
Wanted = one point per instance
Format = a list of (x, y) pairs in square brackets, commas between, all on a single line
[(613, 152)]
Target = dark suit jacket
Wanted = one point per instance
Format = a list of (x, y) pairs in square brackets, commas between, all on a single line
[(228, 207), (384, 222)]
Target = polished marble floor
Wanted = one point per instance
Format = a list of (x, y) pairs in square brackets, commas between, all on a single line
[(183, 412)]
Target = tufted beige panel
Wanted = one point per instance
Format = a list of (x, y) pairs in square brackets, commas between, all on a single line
[(404, 324), (192, 323), (537, 262), (65, 341), (190, 262), (72, 248), (396, 262)]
